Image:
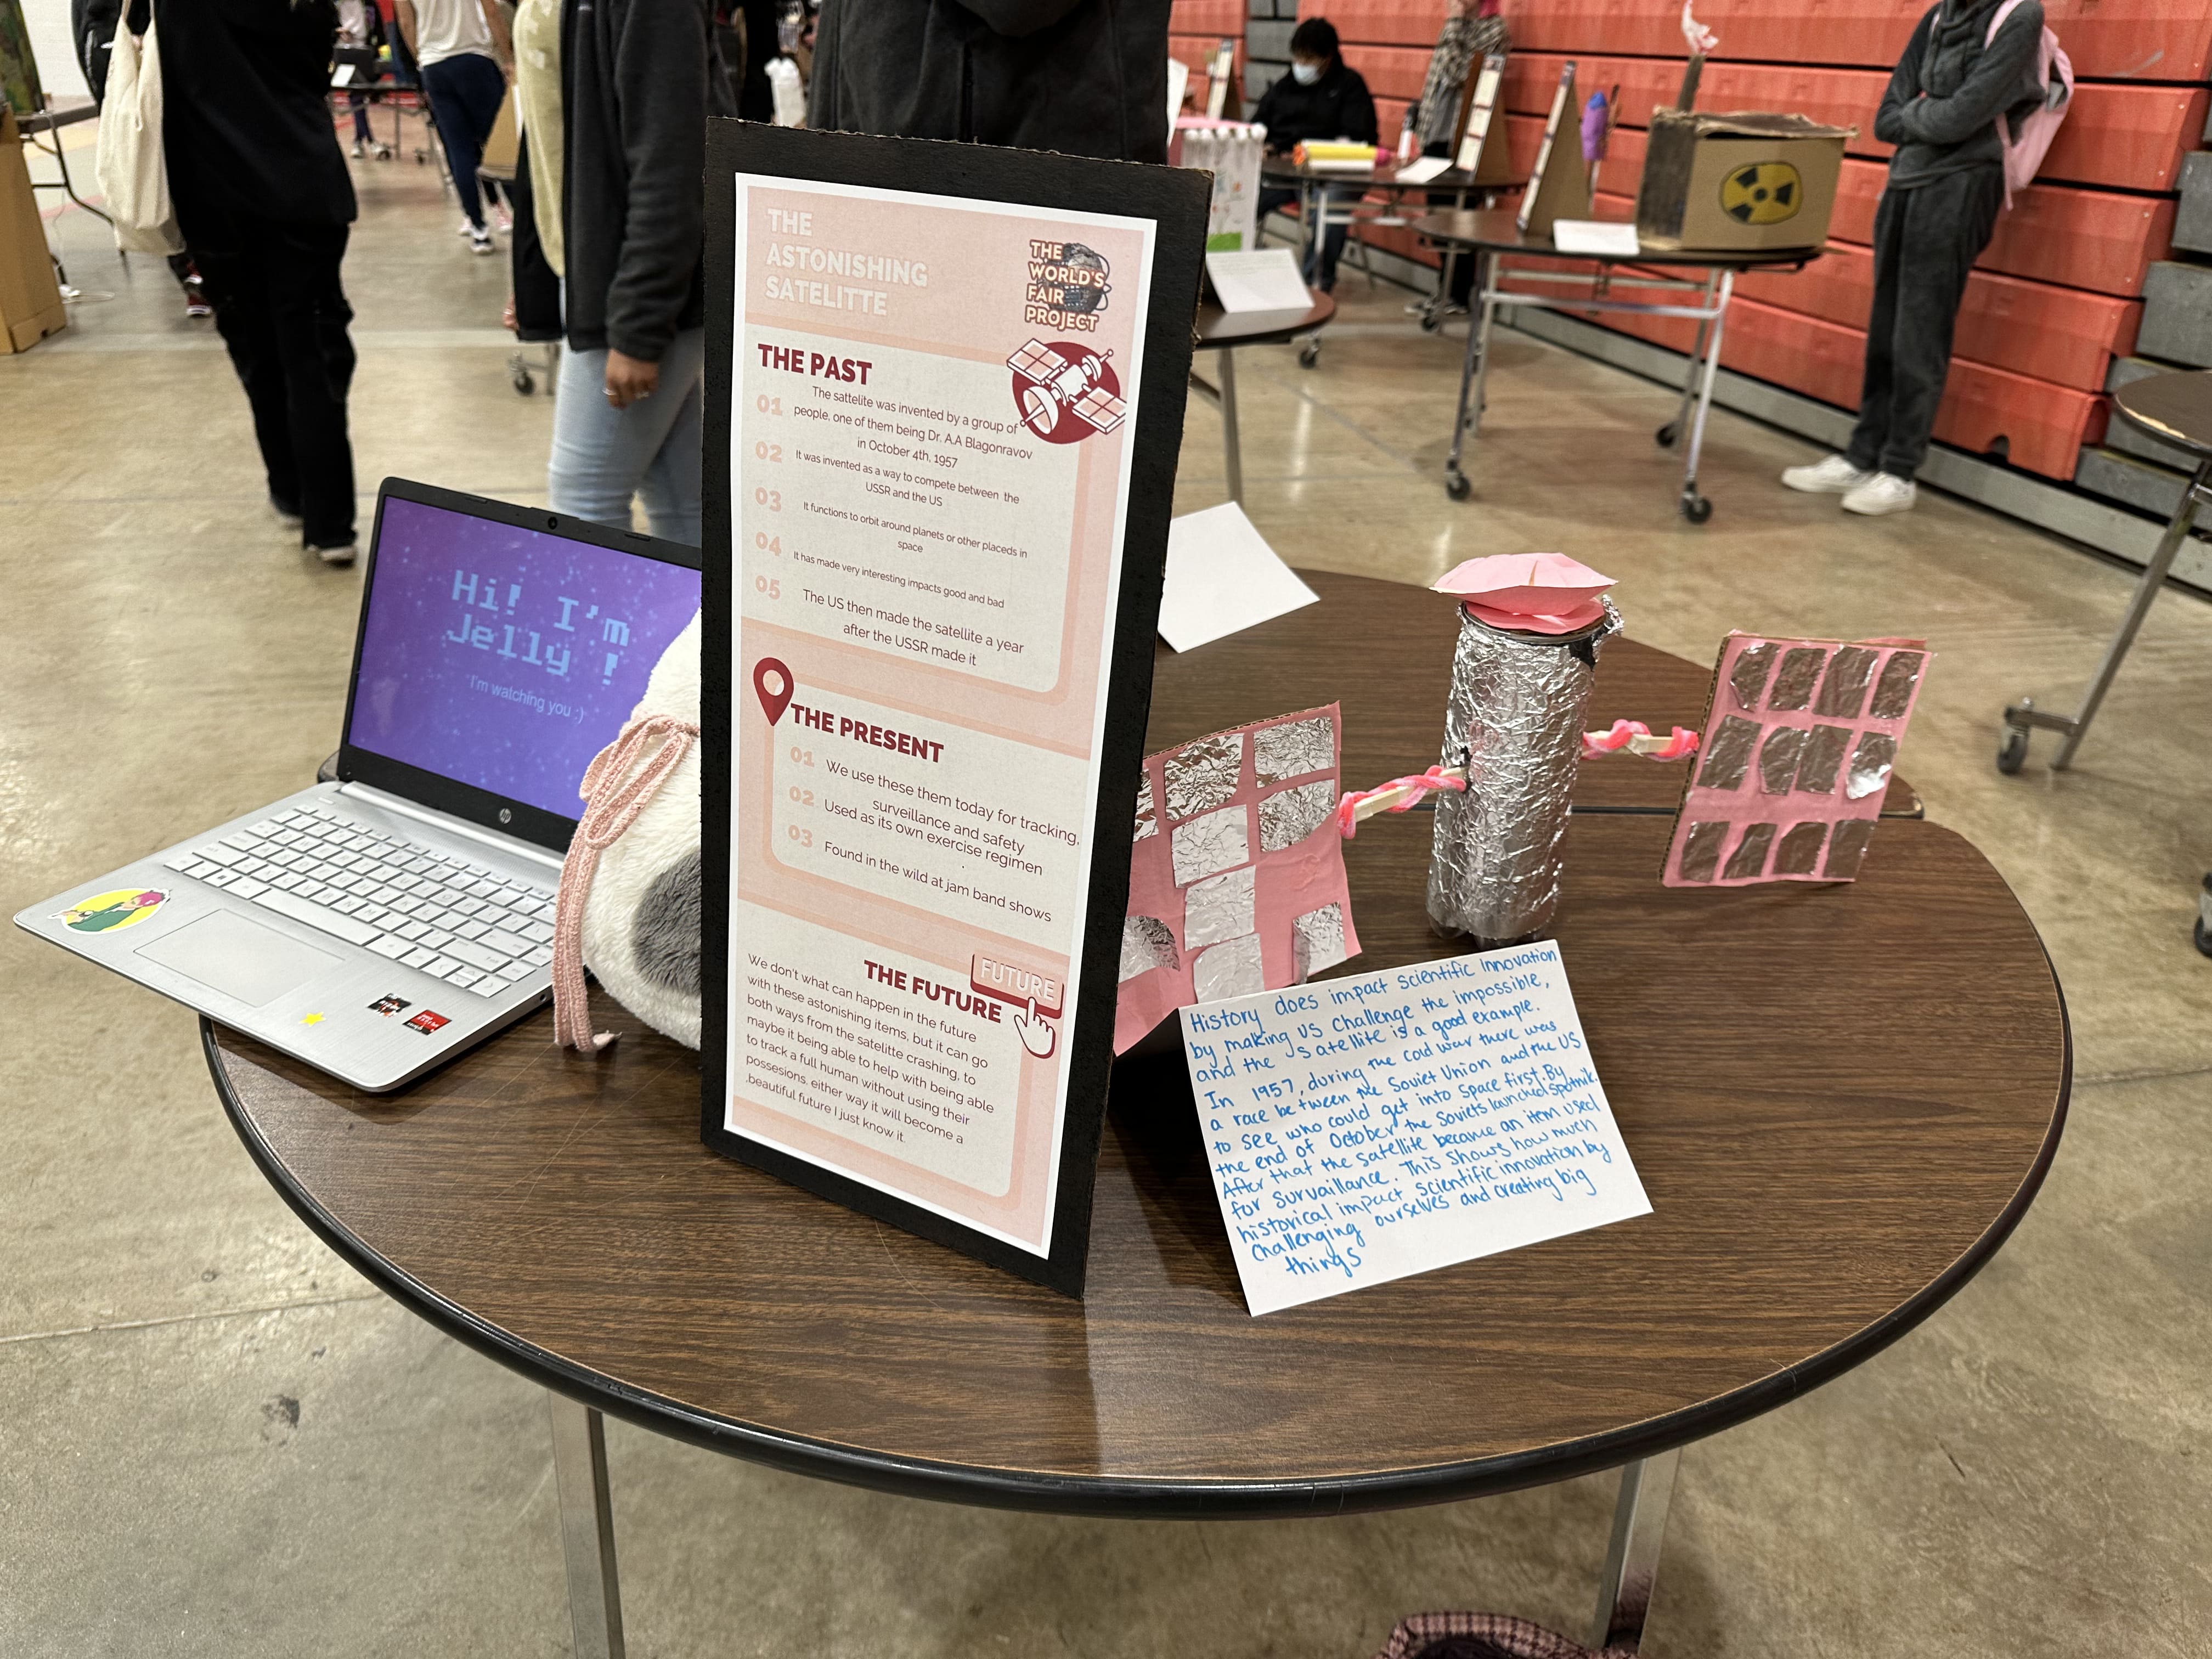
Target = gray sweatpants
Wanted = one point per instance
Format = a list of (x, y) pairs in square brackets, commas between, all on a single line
[(1925, 242)]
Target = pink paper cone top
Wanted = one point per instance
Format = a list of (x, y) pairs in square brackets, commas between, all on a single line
[(1541, 593)]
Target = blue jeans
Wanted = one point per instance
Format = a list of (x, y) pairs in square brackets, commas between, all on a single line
[(603, 456), (464, 92)]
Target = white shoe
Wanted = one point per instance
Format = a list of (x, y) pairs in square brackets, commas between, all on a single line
[(1833, 477), (464, 228), (480, 242), (338, 554), (287, 516), (502, 220), (359, 149), (1882, 493)]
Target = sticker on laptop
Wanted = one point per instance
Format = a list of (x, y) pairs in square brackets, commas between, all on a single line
[(390, 1005), (428, 1022), (104, 913)]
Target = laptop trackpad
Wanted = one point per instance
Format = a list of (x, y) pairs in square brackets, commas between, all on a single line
[(242, 959)]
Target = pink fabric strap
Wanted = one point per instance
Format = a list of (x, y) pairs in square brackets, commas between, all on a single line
[(612, 799)]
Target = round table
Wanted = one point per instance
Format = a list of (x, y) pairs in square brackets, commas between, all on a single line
[(1495, 234), (1840, 1099), (1221, 332)]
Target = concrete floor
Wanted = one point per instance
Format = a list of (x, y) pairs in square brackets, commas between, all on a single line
[(214, 1439)]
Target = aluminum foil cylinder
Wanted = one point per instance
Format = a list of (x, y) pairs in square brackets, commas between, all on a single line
[(1516, 722)]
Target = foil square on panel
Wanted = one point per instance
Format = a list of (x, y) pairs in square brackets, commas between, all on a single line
[(1202, 776), (1206, 846)]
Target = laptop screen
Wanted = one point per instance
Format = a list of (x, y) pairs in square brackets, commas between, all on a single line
[(506, 659)]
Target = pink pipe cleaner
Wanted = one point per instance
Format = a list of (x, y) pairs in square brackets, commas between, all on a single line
[(1415, 789), (1636, 737)]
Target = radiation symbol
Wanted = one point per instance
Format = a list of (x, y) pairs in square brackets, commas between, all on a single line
[(1764, 194)]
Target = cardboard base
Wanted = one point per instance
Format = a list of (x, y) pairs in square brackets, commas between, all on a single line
[(30, 298)]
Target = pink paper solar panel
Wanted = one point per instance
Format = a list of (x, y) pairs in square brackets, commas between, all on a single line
[(1795, 759), (1236, 879)]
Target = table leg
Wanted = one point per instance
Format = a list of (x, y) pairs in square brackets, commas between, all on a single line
[(587, 1528), (1231, 444), (1631, 1564), (1674, 428), (1695, 507), (1474, 375)]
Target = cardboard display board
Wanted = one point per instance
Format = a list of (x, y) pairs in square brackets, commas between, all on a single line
[(1222, 102), (1482, 147), (945, 387), (30, 298), (1559, 187)]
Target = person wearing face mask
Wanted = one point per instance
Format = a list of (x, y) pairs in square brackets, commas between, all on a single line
[(1321, 99)]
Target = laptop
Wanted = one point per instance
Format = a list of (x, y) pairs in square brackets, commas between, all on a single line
[(385, 920)]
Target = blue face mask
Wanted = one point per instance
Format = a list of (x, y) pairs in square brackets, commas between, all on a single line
[(1305, 74)]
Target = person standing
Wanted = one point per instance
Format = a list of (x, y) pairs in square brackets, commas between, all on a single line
[(1474, 30), (1085, 77), (265, 202), (1937, 213), (638, 80), (461, 46), (1322, 98)]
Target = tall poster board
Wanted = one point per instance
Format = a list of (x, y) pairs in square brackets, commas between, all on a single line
[(1482, 147), (1559, 187), (945, 398)]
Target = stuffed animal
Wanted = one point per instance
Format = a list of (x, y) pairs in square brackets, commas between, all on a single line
[(629, 890)]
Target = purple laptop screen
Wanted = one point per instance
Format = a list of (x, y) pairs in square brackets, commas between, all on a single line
[(504, 658)]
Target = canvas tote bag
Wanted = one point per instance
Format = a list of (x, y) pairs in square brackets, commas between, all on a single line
[(134, 175)]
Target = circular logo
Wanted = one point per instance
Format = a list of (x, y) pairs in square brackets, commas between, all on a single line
[(1764, 194), (1080, 292), (1052, 392), (103, 913)]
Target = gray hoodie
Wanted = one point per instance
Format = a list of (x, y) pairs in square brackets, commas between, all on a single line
[(1942, 104)]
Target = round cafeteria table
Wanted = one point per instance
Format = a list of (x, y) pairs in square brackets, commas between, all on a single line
[(1221, 332), (1788, 1065)]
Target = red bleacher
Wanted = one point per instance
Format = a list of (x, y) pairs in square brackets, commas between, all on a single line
[(2055, 295)]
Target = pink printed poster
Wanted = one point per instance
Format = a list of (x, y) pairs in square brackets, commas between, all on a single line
[(934, 409)]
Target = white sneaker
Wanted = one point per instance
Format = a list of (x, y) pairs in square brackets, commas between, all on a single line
[(338, 554), (480, 242), (502, 220), (464, 228), (1882, 493), (1835, 476), (359, 149)]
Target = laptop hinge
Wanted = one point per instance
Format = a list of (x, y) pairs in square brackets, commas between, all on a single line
[(452, 826)]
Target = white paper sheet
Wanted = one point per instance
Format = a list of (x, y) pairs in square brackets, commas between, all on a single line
[(1222, 578), (1265, 279), (1602, 237), (1365, 1129), (1420, 170)]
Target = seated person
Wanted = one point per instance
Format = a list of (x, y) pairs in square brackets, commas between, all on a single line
[(1322, 99)]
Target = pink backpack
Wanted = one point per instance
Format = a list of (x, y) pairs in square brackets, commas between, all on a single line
[(2023, 156)]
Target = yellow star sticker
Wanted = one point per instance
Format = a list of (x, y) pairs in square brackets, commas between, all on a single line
[(311, 1019)]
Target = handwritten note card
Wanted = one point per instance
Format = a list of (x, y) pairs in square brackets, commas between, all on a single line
[(1363, 1129)]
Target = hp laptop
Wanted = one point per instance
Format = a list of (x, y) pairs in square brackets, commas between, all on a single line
[(377, 924)]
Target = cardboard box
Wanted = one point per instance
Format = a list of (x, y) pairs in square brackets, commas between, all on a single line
[(30, 300), (1737, 183)]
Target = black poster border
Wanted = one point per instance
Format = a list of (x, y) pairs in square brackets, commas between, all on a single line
[(1177, 200)]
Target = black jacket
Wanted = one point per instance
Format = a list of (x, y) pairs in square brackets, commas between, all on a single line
[(1338, 105), (638, 80), (1967, 87), (246, 115), (1086, 77)]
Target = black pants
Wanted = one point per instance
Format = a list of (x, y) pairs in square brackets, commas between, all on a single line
[(1321, 263), (282, 313), (1925, 242), (466, 91), (537, 289)]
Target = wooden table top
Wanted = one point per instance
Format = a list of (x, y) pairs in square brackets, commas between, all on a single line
[(2175, 409), (1217, 329), (1498, 230), (1840, 1099), (1384, 651)]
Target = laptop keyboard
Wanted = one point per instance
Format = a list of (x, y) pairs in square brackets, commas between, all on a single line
[(472, 927)]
